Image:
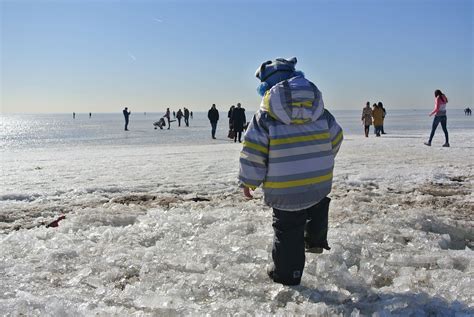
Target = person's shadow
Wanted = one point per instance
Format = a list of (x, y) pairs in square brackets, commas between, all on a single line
[(367, 302)]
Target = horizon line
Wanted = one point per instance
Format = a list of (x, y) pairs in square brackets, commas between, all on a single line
[(137, 111)]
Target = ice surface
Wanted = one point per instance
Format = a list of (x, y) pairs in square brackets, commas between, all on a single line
[(134, 242)]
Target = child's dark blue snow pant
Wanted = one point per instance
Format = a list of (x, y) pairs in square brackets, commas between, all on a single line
[(292, 229)]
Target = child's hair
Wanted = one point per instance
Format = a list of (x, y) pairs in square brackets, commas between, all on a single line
[(438, 93)]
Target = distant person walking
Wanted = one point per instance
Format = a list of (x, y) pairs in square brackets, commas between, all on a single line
[(238, 122), (377, 115), (231, 133), (384, 113), (168, 117), (186, 116), (467, 111), (90, 115), (126, 115), (179, 116), (213, 116), (191, 113), (440, 117), (367, 118), (74, 115), (174, 114)]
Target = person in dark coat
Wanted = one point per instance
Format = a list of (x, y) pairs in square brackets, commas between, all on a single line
[(238, 122), (231, 133), (168, 117), (213, 115), (186, 116), (383, 116), (179, 115), (126, 114)]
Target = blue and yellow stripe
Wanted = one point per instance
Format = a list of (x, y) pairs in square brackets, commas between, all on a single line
[(300, 182), (299, 139)]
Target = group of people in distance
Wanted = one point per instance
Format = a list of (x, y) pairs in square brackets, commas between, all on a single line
[(236, 115), (237, 121), (186, 114), (74, 115), (375, 116), (179, 115)]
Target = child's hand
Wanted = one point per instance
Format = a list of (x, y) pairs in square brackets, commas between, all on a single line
[(247, 193)]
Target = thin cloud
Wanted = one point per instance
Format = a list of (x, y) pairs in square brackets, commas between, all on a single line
[(132, 56), (157, 20)]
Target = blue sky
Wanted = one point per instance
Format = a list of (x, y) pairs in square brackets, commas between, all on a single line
[(82, 56)]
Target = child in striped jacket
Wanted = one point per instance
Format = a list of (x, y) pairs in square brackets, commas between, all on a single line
[(289, 149)]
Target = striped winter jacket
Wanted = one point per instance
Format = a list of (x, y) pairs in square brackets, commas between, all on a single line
[(290, 145)]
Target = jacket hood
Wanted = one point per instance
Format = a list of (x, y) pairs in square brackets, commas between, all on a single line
[(293, 101)]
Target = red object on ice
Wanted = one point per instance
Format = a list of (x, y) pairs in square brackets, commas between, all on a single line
[(55, 223)]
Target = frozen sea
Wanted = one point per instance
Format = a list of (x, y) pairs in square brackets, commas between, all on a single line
[(155, 224)]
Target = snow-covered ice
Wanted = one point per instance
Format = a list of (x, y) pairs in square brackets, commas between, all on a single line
[(136, 241)]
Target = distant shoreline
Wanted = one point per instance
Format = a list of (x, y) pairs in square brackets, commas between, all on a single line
[(203, 111)]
